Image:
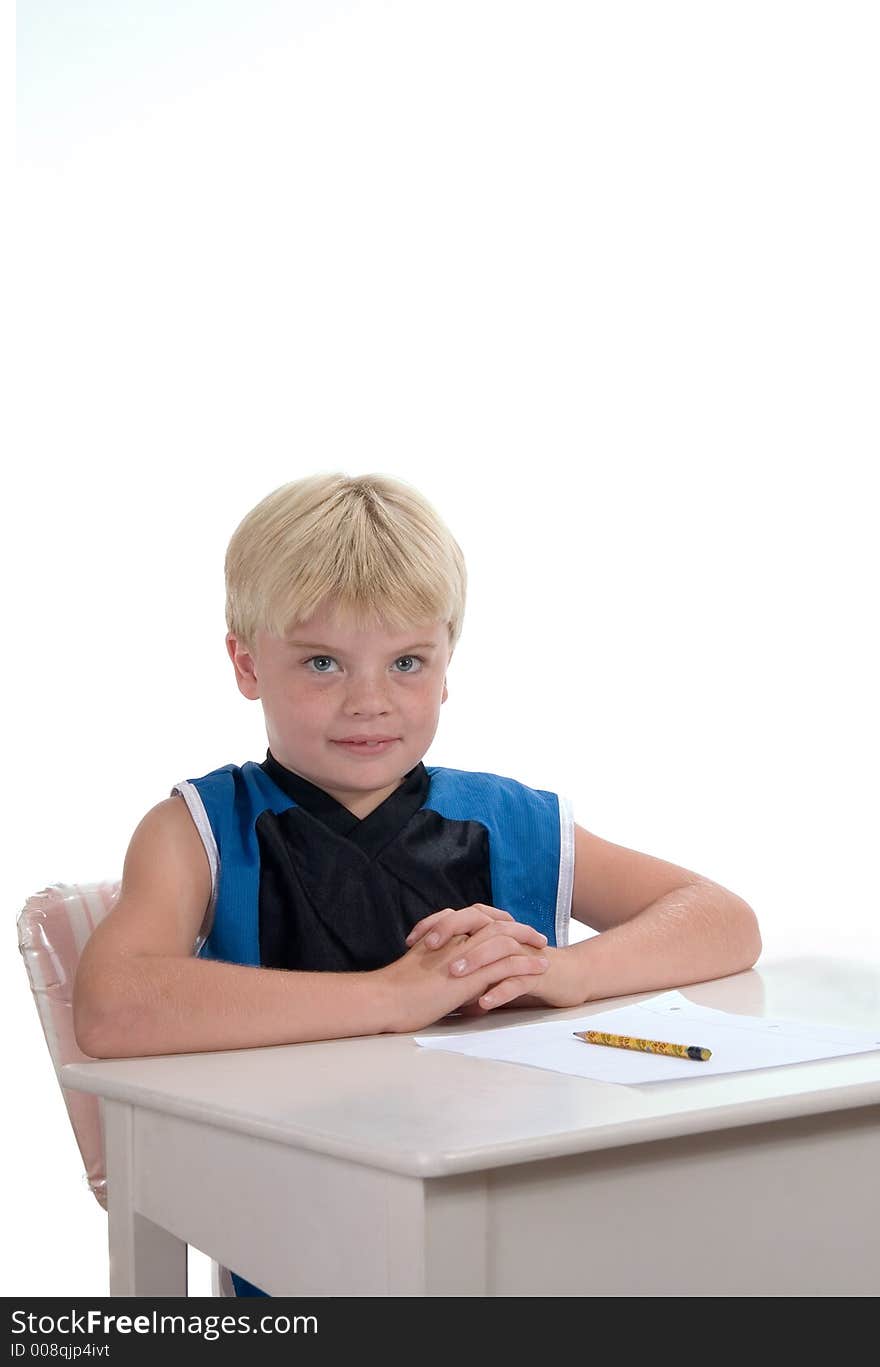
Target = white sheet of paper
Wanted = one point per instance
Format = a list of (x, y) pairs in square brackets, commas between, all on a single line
[(738, 1043)]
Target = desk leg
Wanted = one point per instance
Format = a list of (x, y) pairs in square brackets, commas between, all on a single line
[(145, 1260), (438, 1235)]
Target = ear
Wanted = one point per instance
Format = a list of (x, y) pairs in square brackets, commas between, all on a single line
[(445, 689), (244, 666)]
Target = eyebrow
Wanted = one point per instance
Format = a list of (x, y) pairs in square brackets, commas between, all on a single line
[(330, 650)]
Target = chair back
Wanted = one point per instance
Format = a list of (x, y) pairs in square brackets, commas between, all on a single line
[(53, 928)]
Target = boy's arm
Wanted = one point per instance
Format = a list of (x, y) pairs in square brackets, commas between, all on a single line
[(693, 933), (139, 990), (662, 926)]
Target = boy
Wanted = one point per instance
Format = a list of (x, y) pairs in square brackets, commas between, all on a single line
[(341, 888)]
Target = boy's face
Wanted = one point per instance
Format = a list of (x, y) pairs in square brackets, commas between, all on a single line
[(327, 681)]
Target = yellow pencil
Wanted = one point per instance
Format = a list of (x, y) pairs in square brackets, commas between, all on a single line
[(648, 1046)]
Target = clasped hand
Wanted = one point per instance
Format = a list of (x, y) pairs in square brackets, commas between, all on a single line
[(475, 959)]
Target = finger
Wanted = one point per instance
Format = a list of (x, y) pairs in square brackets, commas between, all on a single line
[(483, 932), (484, 949), (463, 923), (495, 912), (493, 956), (438, 928), (506, 991), (526, 935), (480, 913), (489, 913), (427, 923)]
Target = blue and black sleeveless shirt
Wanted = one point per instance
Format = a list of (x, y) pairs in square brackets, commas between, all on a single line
[(299, 882)]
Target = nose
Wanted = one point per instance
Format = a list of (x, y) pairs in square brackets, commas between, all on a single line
[(367, 694)]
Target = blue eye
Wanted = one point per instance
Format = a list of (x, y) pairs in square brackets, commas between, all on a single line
[(330, 658)]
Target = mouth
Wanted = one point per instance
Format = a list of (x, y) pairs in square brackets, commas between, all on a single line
[(367, 747)]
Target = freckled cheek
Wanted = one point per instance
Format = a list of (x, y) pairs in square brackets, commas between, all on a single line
[(425, 707), (302, 708)]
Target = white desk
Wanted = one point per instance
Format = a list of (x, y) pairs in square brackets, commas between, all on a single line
[(371, 1167)]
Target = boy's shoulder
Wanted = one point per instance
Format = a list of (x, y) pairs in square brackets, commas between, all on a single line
[(479, 783), (227, 774), (232, 782)]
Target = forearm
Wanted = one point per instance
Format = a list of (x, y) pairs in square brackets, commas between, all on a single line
[(694, 933), (168, 1005)]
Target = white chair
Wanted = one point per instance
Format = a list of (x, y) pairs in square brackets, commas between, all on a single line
[(53, 928)]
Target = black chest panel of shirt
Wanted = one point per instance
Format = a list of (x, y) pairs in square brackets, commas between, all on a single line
[(340, 894)]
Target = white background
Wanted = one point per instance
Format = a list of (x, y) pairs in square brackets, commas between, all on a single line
[(600, 279)]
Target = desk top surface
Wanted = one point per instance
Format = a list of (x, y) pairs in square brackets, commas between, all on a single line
[(385, 1102)]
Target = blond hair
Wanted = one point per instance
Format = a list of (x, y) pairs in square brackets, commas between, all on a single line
[(372, 544)]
